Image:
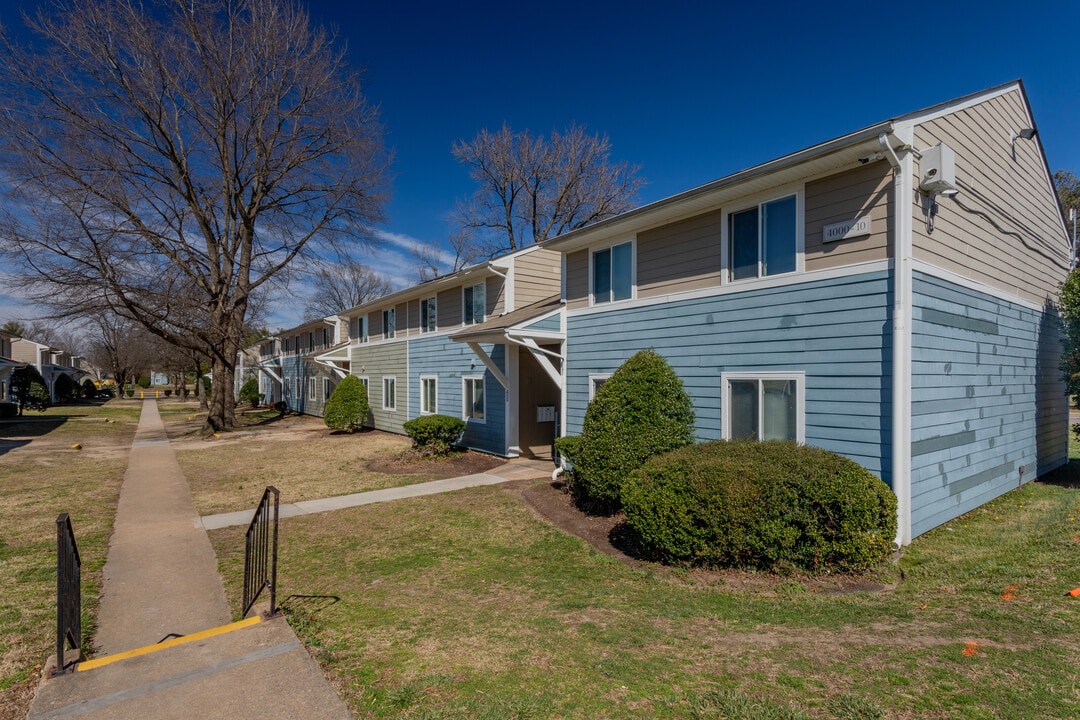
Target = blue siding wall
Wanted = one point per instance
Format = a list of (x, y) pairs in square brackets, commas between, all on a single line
[(550, 324), (449, 361), (837, 331), (980, 410), (292, 366)]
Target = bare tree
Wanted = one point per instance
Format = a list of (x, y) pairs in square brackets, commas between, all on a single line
[(168, 160), (430, 258), (342, 285), (532, 188), (119, 346)]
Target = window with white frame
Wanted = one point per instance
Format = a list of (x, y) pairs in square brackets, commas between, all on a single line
[(364, 382), (299, 389), (613, 273), (474, 304), (472, 398), (763, 240), (389, 393), (429, 316), (327, 388), (429, 395), (311, 389), (595, 382), (388, 323), (358, 329), (764, 406)]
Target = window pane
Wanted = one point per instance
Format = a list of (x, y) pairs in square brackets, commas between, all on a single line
[(477, 405), (779, 399), (478, 303), (744, 409), (621, 264), (778, 221), (744, 244), (602, 276)]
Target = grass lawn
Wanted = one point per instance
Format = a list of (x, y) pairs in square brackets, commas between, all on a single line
[(469, 605), (298, 455), (41, 476)]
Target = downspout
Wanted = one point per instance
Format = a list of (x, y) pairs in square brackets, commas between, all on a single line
[(903, 173)]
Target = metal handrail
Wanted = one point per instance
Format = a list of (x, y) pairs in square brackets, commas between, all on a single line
[(260, 552), (68, 591)]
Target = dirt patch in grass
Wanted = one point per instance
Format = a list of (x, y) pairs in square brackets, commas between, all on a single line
[(410, 461), (612, 536)]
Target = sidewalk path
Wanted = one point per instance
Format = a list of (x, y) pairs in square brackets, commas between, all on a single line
[(518, 469), (161, 577)]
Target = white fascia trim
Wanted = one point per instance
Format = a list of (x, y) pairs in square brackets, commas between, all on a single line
[(908, 121), (947, 275), (743, 286)]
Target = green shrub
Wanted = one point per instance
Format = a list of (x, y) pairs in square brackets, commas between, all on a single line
[(437, 434), (143, 382), (641, 411), (28, 389), (568, 447), (347, 408), (64, 388), (88, 390), (249, 391), (766, 505)]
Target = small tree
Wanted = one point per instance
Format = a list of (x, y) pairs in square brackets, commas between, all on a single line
[(641, 411), (347, 408), (89, 390), (64, 389), (249, 392), (28, 388)]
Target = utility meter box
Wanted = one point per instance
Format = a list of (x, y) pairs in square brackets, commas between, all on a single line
[(545, 413), (937, 169)]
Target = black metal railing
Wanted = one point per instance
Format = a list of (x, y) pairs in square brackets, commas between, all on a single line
[(260, 552), (68, 591)]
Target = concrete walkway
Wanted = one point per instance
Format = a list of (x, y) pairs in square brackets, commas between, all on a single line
[(161, 578), (514, 470)]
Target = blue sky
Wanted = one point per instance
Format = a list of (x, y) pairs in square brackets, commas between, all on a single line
[(690, 91)]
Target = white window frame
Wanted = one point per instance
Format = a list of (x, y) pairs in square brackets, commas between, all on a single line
[(361, 330), (633, 271), (466, 406), (366, 382), (429, 306), (312, 389), (424, 379), (758, 201), (387, 395), (466, 306), (798, 376), (389, 332), (327, 389), (593, 379)]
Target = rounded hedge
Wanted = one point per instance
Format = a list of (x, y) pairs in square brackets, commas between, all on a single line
[(765, 505), (249, 391), (89, 390), (436, 434), (347, 408), (640, 411)]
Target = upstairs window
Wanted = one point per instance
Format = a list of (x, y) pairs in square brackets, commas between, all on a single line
[(388, 323), (358, 328), (762, 240), (474, 304), (428, 315), (612, 274)]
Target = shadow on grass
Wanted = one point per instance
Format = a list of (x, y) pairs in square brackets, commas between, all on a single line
[(30, 426), (307, 605), (1066, 476)]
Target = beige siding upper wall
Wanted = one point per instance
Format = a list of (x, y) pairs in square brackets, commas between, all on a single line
[(577, 279), (681, 256), (536, 276), (448, 305), (494, 298), (850, 195), (1016, 194)]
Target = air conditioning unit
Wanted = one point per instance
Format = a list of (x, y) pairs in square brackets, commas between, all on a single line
[(937, 170)]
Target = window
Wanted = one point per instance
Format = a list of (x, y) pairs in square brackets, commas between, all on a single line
[(472, 399), (474, 304), (388, 323), (299, 389), (310, 341), (311, 388), (595, 382), (763, 239), (612, 273), (429, 321), (327, 389), (429, 395), (358, 329), (389, 393), (764, 406), (296, 351), (364, 382)]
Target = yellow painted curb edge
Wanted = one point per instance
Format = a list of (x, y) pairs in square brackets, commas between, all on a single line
[(202, 635)]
